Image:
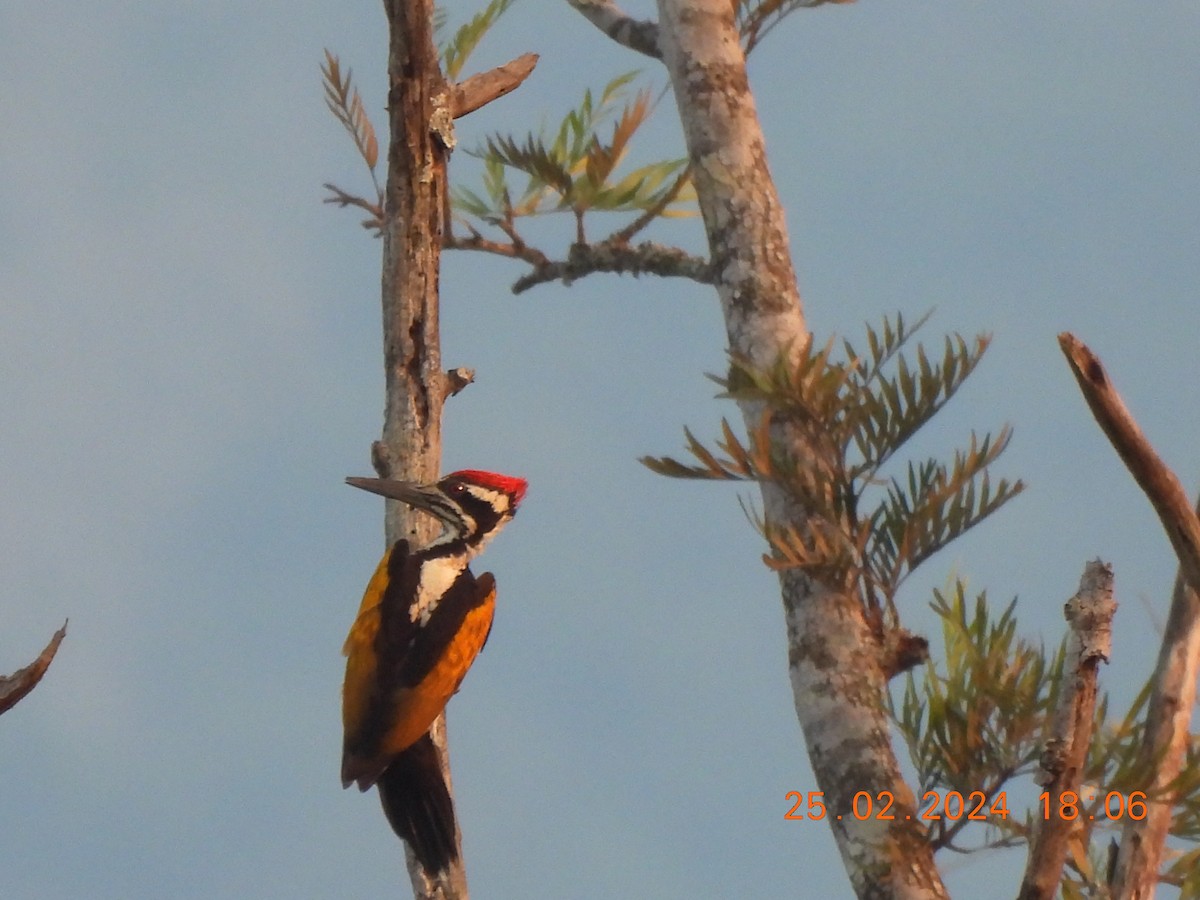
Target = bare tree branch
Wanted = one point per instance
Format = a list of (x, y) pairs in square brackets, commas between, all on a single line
[(480, 90), (647, 258), (457, 379), (1089, 614), (635, 34), (1164, 744), (1174, 688), (15, 686), (1161, 486), (515, 249)]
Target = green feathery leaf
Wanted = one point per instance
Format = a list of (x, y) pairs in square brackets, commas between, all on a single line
[(578, 168), (456, 53), (828, 426), (980, 724)]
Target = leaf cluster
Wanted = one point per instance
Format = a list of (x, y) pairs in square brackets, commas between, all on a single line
[(344, 101), (832, 418), (579, 169), (576, 168), (980, 724)]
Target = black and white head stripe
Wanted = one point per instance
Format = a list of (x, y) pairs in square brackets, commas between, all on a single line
[(476, 510), (473, 505)]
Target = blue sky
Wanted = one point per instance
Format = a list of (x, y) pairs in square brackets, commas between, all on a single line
[(189, 345)]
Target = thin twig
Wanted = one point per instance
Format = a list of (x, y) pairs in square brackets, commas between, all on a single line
[(341, 199), (756, 28), (624, 235), (947, 833), (512, 250)]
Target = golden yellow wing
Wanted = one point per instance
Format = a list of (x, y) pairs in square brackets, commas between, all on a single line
[(400, 675)]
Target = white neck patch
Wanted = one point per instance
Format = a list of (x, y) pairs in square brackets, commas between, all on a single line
[(437, 574)]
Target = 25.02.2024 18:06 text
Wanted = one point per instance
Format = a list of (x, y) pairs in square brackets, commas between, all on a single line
[(976, 806)]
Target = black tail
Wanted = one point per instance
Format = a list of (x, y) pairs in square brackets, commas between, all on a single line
[(417, 804)]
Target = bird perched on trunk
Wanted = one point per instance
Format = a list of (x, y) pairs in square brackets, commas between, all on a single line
[(423, 620)]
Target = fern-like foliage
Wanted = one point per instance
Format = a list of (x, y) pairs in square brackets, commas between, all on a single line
[(831, 423), (979, 725), (576, 168), (459, 48), (345, 102)]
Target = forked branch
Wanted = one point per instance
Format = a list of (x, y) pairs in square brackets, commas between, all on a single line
[(1173, 690), (1173, 693)]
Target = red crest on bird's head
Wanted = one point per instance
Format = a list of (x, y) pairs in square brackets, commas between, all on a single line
[(511, 485)]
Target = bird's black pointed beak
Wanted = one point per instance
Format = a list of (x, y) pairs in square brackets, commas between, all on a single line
[(420, 496)]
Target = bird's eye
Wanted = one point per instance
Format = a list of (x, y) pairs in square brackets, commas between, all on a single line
[(458, 488)]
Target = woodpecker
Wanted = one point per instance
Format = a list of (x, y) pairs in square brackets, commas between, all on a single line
[(423, 620)]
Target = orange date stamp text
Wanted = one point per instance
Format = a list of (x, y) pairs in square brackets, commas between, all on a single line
[(974, 806)]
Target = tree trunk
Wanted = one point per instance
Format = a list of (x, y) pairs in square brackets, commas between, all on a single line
[(834, 658), (416, 386)]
